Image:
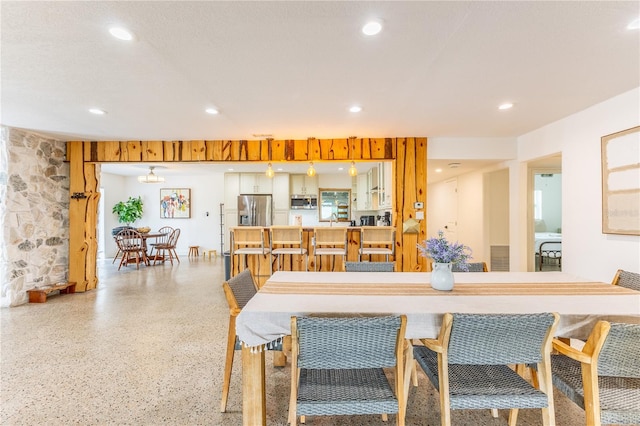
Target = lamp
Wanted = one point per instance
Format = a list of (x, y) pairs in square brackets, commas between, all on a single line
[(270, 173), (151, 177), (352, 170), (311, 171)]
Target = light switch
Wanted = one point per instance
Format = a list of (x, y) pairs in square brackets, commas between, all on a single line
[(419, 215)]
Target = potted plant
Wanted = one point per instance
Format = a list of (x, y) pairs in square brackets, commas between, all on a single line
[(128, 212), (444, 255)]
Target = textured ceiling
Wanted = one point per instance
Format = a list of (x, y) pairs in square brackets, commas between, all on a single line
[(292, 69)]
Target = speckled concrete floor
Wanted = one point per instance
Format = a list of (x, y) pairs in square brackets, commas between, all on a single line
[(147, 348)]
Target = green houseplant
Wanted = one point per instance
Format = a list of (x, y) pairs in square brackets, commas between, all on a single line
[(128, 212)]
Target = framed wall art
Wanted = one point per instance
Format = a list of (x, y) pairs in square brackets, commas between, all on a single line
[(621, 182), (175, 203)]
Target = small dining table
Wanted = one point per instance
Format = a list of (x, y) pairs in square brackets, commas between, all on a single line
[(266, 317)]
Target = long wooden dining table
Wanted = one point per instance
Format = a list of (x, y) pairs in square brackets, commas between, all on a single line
[(267, 316)]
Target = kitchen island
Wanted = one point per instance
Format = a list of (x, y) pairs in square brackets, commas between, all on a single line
[(262, 268)]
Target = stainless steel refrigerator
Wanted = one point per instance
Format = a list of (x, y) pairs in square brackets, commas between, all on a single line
[(254, 210)]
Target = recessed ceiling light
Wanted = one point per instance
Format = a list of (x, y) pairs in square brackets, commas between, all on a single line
[(211, 111), (634, 25), (340, 169), (279, 169), (97, 111), (438, 170), (121, 33), (230, 169), (372, 28), (506, 106), (355, 108)]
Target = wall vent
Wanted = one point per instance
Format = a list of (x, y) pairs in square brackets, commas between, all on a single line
[(500, 258)]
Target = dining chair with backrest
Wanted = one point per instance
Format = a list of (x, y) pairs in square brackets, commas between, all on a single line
[(338, 364), (377, 240), (163, 240), (469, 362), (248, 240), (287, 240), (168, 249), (130, 243), (329, 241), (604, 377), (471, 267), (238, 291), (627, 279), (369, 266)]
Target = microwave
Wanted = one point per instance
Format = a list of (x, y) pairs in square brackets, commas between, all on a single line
[(304, 202)]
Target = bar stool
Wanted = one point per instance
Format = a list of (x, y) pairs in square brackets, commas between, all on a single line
[(246, 240), (290, 240), (372, 237), (329, 241)]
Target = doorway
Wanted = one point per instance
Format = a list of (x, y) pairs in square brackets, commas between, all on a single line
[(545, 215)]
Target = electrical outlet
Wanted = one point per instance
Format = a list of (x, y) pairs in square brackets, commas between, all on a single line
[(418, 205)]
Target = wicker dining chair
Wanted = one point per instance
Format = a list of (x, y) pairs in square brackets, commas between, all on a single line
[(604, 377), (238, 291), (369, 266), (627, 279), (468, 362), (337, 366), (471, 267)]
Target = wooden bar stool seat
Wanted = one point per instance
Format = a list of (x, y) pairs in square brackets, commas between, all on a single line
[(194, 251)]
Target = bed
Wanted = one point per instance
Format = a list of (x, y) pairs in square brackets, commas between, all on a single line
[(548, 245)]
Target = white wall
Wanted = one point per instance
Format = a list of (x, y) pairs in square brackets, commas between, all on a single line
[(586, 250), (207, 193)]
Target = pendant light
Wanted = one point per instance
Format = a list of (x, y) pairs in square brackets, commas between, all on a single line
[(311, 172), (270, 173), (151, 177), (352, 170)]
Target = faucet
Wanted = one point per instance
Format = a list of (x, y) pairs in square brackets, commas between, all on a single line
[(332, 218)]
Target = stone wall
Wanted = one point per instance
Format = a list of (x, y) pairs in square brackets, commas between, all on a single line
[(34, 213)]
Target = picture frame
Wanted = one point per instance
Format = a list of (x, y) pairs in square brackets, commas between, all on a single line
[(175, 203), (621, 182)]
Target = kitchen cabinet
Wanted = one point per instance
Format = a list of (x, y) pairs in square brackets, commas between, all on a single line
[(387, 182), (281, 199), (363, 201), (255, 183), (303, 185), (281, 217)]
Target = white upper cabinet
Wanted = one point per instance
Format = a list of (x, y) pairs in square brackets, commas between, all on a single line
[(255, 183), (304, 185), (363, 202), (388, 184), (281, 199)]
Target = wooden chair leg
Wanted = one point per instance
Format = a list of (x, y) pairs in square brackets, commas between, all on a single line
[(228, 365)]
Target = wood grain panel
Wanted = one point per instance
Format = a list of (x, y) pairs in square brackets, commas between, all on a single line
[(409, 181), (152, 151)]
